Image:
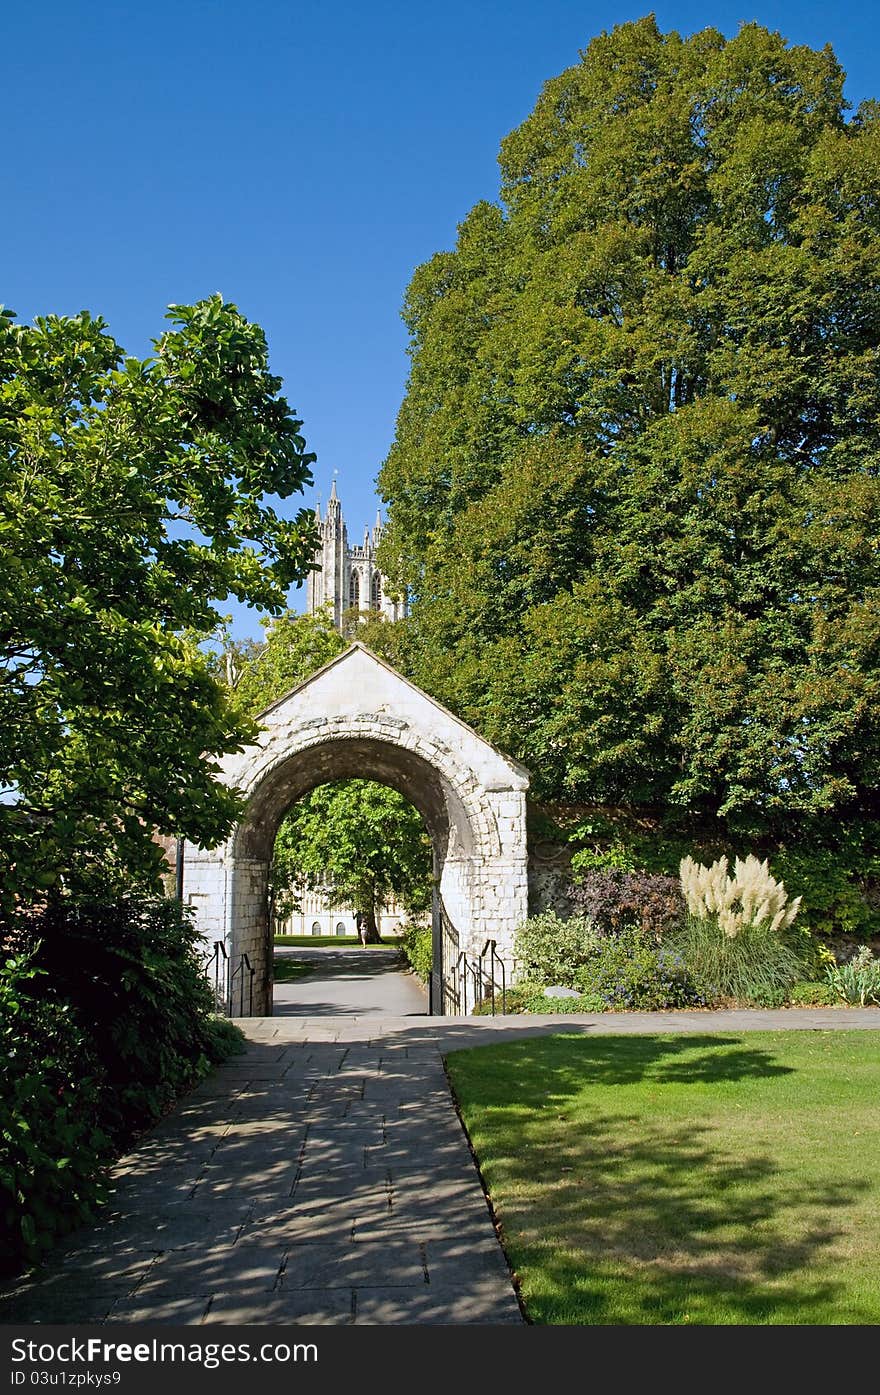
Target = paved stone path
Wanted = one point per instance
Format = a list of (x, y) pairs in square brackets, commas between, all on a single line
[(322, 1177), (348, 980)]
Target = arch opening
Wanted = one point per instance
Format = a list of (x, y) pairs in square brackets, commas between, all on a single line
[(354, 848), (446, 817)]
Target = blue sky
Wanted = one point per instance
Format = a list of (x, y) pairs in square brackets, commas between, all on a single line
[(302, 158)]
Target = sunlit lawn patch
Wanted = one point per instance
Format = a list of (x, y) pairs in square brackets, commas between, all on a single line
[(338, 941), (682, 1179)]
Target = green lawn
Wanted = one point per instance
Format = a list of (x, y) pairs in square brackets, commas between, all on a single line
[(682, 1179), (306, 941)]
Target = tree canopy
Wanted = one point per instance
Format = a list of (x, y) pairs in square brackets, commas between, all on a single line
[(133, 499), (634, 485)]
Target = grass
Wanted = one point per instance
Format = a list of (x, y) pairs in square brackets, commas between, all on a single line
[(683, 1179), (307, 941)]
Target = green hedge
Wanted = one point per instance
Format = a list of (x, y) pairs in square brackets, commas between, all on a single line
[(833, 864), (417, 944)]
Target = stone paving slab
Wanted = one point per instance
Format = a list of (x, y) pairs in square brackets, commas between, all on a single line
[(324, 1179), (317, 1307)]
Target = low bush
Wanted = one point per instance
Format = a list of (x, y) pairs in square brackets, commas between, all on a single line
[(810, 994), (53, 1150), (549, 950), (417, 944), (767, 997), (131, 973), (531, 998), (615, 900), (857, 982)]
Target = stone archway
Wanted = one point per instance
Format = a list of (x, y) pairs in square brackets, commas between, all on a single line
[(358, 717)]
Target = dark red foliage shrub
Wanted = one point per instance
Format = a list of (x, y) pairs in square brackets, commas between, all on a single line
[(614, 901)]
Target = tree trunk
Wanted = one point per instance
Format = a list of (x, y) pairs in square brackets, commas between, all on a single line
[(367, 927)]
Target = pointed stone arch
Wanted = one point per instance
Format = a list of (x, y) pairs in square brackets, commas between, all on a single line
[(358, 717)]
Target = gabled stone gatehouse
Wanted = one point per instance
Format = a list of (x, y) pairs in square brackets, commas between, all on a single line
[(357, 717)]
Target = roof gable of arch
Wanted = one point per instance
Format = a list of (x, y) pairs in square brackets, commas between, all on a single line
[(356, 691)]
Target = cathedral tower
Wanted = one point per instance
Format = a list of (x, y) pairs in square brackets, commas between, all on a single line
[(349, 577)]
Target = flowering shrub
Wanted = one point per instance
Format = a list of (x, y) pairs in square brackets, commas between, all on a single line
[(735, 941), (629, 973), (623, 971), (750, 899)]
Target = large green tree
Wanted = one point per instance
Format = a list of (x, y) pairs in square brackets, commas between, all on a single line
[(133, 498), (360, 842), (634, 486)]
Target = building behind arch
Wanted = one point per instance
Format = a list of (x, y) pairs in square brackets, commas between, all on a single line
[(348, 578), (319, 916)]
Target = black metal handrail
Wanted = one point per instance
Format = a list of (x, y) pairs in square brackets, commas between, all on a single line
[(470, 981), (481, 978), (244, 967), (216, 968), (496, 967)]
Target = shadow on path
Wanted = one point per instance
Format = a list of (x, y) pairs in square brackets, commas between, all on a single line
[(349, 982)]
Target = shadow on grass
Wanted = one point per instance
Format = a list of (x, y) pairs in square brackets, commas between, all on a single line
[(562, 1064), (631, 1216)]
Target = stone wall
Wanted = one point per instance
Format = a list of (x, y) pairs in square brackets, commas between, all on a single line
[(549, 878)]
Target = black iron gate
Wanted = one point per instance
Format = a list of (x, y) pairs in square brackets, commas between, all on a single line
[(232, 983), (461, 982), (450, 962), (444, 990)]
